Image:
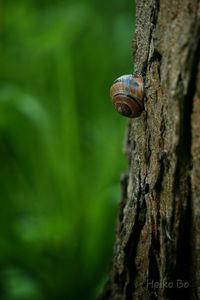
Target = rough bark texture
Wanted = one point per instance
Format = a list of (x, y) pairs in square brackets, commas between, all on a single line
[(157, 248)]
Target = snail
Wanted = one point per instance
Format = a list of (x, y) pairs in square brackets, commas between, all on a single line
[(127, 93)]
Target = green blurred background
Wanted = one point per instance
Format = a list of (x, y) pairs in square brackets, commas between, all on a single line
[(61, 144)]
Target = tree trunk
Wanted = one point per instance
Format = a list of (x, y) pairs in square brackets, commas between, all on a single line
[(157, 249)]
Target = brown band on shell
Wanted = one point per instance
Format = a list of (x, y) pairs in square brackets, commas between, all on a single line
[(127, 95)]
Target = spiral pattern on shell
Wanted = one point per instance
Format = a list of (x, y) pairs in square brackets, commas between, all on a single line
[(127, 93)]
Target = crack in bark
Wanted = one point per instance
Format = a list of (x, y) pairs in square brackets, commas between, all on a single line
[(131, 247), (153, 18), (183, 248), (124, 184)]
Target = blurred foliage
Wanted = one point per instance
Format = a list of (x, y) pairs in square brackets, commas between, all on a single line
[(60, 144)]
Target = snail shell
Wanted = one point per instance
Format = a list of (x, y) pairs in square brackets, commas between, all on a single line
[(127, 93)]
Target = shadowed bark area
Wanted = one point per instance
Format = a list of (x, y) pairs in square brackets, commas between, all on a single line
[(157, 249)]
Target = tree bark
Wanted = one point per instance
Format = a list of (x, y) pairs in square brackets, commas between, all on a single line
[(157, 249)]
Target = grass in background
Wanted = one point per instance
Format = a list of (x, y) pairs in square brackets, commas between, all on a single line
[(60, 144)]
